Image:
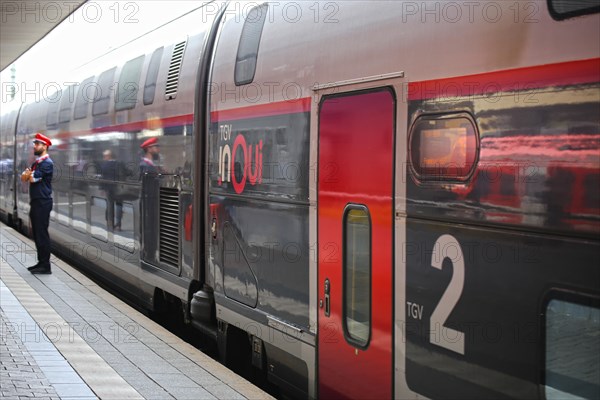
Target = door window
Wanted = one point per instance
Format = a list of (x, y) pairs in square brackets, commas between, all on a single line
[(357, 275)]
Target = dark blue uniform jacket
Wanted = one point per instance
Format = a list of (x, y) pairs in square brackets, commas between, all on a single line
[(41, 188)]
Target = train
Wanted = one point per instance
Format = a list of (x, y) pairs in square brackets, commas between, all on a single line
[(355, 199)]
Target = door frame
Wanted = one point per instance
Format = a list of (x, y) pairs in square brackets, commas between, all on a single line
[(396, 82)]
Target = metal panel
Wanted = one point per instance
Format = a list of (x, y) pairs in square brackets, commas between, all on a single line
[(169, 235)]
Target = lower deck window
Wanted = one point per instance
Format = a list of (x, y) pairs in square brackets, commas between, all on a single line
[(572, 369), (99, 213), (124, 226), (80, 219)]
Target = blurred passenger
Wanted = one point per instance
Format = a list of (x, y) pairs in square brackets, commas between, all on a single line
[(111, 171)]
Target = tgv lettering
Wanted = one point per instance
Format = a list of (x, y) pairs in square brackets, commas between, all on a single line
[(251, 166), (414, 310)]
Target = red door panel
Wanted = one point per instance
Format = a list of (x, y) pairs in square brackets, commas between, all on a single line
[(355, 233)]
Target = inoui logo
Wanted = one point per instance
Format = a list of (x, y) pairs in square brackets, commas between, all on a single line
[(252, 159)]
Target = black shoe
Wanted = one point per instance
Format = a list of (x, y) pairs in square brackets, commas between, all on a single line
[(41, 269), (33, 267)]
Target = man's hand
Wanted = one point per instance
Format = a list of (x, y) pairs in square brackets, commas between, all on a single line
[(26, 175)]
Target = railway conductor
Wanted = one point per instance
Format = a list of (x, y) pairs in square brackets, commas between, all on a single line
[(151, 150), (39, 176)]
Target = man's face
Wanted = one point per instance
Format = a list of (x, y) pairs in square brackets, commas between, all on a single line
[(38, 148), (154, 152)]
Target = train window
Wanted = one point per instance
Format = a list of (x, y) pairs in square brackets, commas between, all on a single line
[(591, 185), (98, 213), (54, 211), (129, 83), (563, 9), (62, 207), (443, 147), (247, 54), (85, 93), (123, 234), (357, 275), (66, 100), (106, 81), (79, 207), (151, 76), (572, 365), (52, 113)]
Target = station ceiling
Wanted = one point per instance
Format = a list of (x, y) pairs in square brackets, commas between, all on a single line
[(23, 23)]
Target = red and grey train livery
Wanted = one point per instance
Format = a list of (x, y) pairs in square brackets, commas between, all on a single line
[(358, 199)]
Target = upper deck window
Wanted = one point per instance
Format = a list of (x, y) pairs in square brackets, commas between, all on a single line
[(563, 9), (105, 85), (66, 101), (247, 54), (129, 83), (52, 113), (84, 96), (152, 76)]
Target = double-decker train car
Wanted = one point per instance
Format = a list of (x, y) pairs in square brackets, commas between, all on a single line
[(371, 199)]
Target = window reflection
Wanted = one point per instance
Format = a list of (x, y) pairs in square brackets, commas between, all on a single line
[(79, 213), (62, 207), (123, 237), (98, 213)]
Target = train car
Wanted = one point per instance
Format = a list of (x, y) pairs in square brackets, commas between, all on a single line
[(354, 199)]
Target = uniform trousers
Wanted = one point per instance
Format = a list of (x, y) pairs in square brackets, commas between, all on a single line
[(39, 214)]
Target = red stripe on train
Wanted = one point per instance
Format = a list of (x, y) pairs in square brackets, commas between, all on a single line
[(150, 123), (263, 110), (520, 79)]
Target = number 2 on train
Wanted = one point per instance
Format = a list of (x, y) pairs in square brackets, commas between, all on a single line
[(448, 338)]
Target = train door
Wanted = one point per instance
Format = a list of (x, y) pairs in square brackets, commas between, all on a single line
[(355, 235)]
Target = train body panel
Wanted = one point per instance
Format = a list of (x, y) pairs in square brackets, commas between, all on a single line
[(396, 196)]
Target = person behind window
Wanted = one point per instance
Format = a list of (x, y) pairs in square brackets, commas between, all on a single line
[(111, 171)]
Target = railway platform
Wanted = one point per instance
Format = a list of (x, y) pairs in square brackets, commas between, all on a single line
[(64, 337)]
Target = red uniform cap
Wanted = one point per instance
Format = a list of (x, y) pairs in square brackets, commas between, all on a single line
[(150, 142), (42, 139)]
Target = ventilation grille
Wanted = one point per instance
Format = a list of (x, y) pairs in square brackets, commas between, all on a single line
[(169, 227), (174, 69)]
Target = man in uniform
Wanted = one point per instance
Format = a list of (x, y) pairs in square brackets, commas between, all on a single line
[(39, 176), (151, 156)]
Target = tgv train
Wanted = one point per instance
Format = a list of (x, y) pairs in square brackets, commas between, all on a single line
[(369, 200)]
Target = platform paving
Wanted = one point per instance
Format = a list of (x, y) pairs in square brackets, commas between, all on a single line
[(68, 338), (20, 374)]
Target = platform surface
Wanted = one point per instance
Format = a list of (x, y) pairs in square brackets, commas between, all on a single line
[(64, 337)]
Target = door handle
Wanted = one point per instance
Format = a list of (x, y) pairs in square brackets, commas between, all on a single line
[(327, 301)]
